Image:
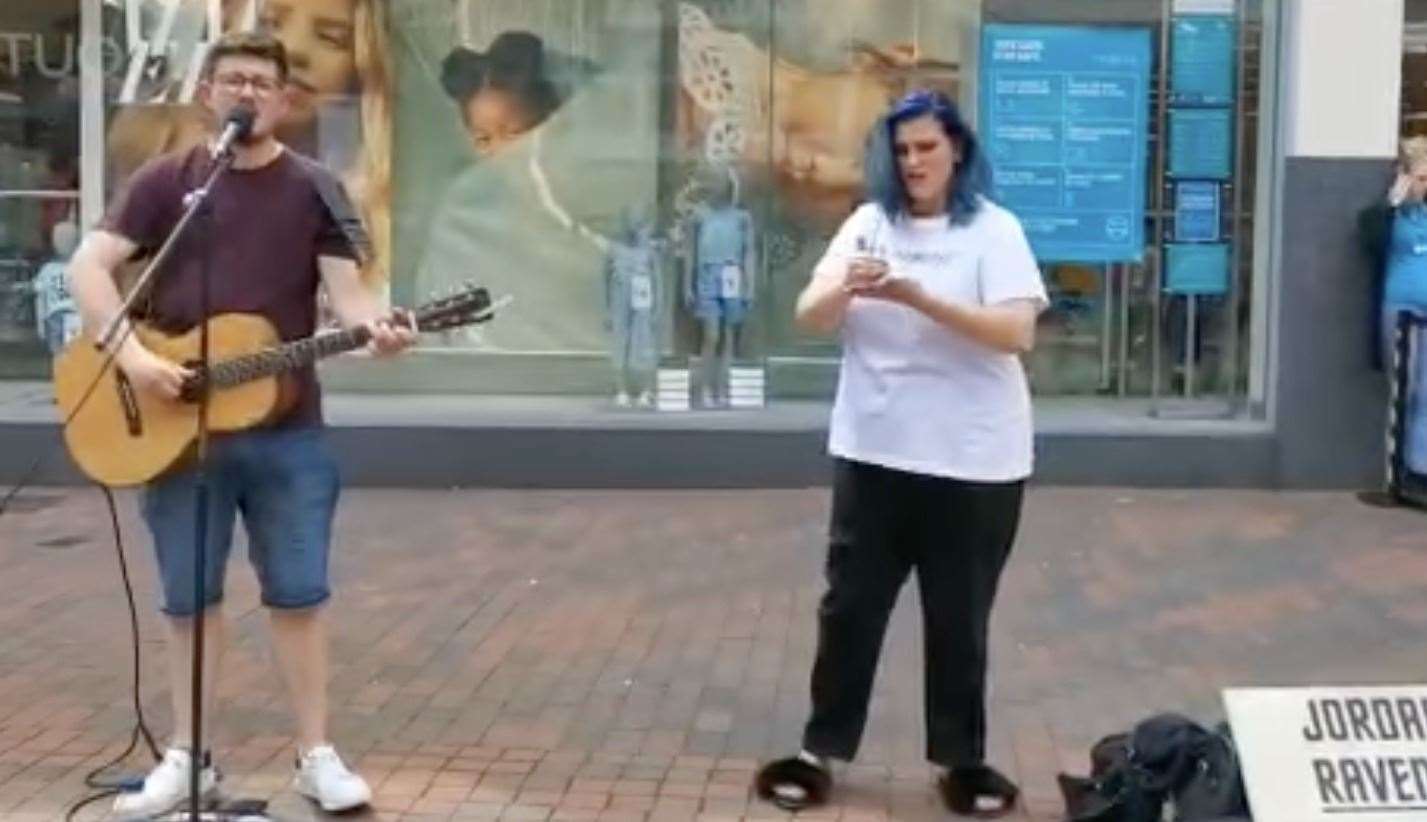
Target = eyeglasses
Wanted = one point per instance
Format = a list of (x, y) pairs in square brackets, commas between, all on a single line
[(234, 83)]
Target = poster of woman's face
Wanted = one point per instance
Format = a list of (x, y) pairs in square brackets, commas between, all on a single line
[(339, 96), (320, 38)]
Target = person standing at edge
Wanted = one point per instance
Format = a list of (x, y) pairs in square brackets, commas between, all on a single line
[(273, 242), (1393, 234), (935, 293)]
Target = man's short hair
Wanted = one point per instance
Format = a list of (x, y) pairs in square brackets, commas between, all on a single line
[(247, 44)]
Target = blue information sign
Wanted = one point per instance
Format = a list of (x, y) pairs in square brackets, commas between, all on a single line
[(1202, 61), (1201, 143), (1064, 118), (1200, 269), (1196, 211)]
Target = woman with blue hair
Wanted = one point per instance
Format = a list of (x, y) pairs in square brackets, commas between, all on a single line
[(935, 294)]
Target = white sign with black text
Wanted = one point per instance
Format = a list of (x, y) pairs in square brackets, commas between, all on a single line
[(1336, 753)]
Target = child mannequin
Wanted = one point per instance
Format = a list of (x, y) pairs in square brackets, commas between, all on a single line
[(56, 317), (633, 294), (718, 283)]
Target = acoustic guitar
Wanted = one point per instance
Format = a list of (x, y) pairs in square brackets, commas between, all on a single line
[(119, 435)]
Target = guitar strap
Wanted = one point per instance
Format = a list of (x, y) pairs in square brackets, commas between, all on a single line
[(339, 205)]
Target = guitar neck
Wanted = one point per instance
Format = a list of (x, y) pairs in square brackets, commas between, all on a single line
[(286, 357)]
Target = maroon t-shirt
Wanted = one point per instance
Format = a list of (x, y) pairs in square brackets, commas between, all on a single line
[(268, 227)]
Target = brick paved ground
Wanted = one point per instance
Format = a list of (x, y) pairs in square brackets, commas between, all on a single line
[(536, 655)]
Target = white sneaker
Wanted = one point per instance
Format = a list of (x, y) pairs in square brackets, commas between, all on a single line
[(166, 788), (322, 777)]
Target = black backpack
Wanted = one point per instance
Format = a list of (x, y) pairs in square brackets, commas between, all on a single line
[(1165, 759), (1214, 790)]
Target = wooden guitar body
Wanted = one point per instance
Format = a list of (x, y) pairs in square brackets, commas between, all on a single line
[(122, 436)]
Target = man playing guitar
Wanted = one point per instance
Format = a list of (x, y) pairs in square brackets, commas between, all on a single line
[(270, 243)]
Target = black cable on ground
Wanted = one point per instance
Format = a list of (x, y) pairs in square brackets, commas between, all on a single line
[(107, 787)]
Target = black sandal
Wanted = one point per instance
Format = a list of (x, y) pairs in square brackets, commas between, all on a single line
[(815, 782), (964, 788)]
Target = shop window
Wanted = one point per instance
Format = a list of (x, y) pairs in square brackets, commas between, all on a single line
[(39, 177), (1169, 317), (526, 145)]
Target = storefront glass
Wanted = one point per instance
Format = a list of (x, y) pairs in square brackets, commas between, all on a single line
[(39, 176), (774, 100), (651, 181)]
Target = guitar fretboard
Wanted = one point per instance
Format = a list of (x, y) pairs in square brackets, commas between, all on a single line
[(286, 357)]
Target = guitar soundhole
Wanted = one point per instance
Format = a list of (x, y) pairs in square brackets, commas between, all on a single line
[(130, 404)]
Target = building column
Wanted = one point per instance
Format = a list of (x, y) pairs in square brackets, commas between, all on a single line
[(1340, 89)]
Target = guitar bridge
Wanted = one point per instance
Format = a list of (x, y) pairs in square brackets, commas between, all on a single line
[(129, 403)]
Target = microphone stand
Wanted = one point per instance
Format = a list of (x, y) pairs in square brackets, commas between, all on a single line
[(197, 762), (195, 203), (203, 389)]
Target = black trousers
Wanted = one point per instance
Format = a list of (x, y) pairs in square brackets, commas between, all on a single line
[(956, 535)]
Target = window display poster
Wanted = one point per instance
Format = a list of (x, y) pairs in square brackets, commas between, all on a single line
[(1064, 116), (1202, 50), (1197, 269), (523, 129), (339, 94), (1196, 211), (784, 92), (1201, 143), (526, 131)]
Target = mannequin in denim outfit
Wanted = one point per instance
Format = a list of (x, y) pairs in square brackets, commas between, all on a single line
[(56, 316), (719, 283), (633, 295)]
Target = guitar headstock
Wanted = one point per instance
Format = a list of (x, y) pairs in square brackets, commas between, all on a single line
[(467, 306)]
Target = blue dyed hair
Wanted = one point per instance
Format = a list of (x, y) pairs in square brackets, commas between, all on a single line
[(971, 177)]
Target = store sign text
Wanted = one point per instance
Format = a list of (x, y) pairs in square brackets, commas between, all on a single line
[(53, 57)]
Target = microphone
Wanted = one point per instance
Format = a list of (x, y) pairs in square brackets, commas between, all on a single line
[(237, 126)]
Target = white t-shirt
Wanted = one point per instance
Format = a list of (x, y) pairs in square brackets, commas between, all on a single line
[(917, 396)]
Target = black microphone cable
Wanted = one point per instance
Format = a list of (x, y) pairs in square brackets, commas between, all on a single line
[(106, 787)]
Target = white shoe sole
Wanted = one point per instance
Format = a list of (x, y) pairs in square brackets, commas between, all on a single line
[(206, 799), (329, 807)]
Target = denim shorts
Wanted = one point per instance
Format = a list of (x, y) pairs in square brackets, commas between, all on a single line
[(709, 304), (285, 484)]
